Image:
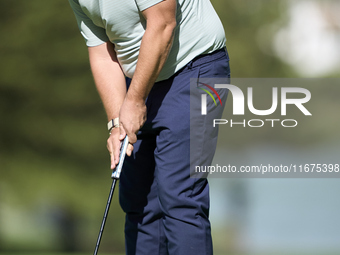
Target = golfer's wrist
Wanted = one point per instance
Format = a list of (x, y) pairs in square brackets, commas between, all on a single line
[(112, 124), (137, 97)]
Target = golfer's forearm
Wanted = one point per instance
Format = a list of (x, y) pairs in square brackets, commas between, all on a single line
[(153, 53), (109, 78), (155, 47), (111, 88)]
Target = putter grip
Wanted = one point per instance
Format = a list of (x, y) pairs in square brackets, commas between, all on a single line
[(117, 171)]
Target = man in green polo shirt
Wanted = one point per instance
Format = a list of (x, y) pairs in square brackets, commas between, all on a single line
[(142, 55)]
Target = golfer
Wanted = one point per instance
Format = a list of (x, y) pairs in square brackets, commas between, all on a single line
[(143, 54)]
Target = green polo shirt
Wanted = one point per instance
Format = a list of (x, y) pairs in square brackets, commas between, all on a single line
[(199, 30)]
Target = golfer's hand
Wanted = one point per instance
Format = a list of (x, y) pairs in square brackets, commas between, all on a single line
[(113, 146), (131, 117)]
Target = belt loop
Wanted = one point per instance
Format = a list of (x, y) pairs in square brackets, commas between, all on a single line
[(189, 65)]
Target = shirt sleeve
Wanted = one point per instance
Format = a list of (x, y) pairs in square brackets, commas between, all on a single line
[(144, 4), (93, 35)]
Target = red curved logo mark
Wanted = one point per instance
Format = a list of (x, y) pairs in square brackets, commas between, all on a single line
[(213, 90)]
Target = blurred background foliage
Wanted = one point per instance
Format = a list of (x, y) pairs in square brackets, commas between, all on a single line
[(54, 167)]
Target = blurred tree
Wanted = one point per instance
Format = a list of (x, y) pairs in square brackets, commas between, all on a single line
[(52, 132), (247, 25)]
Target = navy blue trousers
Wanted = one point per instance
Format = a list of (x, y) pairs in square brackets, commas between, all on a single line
[(167, 212)]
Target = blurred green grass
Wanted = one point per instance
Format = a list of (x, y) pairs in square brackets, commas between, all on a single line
[(51, 253), (56, 253)]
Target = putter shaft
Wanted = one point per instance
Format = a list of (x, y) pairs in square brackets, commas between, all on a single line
[(105, 216), (115, 176)]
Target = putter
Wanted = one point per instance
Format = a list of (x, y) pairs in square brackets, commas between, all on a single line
[(115, 177)]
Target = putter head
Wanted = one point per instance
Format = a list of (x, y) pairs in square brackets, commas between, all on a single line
[(117, 171)]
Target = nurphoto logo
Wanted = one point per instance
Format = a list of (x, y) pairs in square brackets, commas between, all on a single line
[(239, 99)]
